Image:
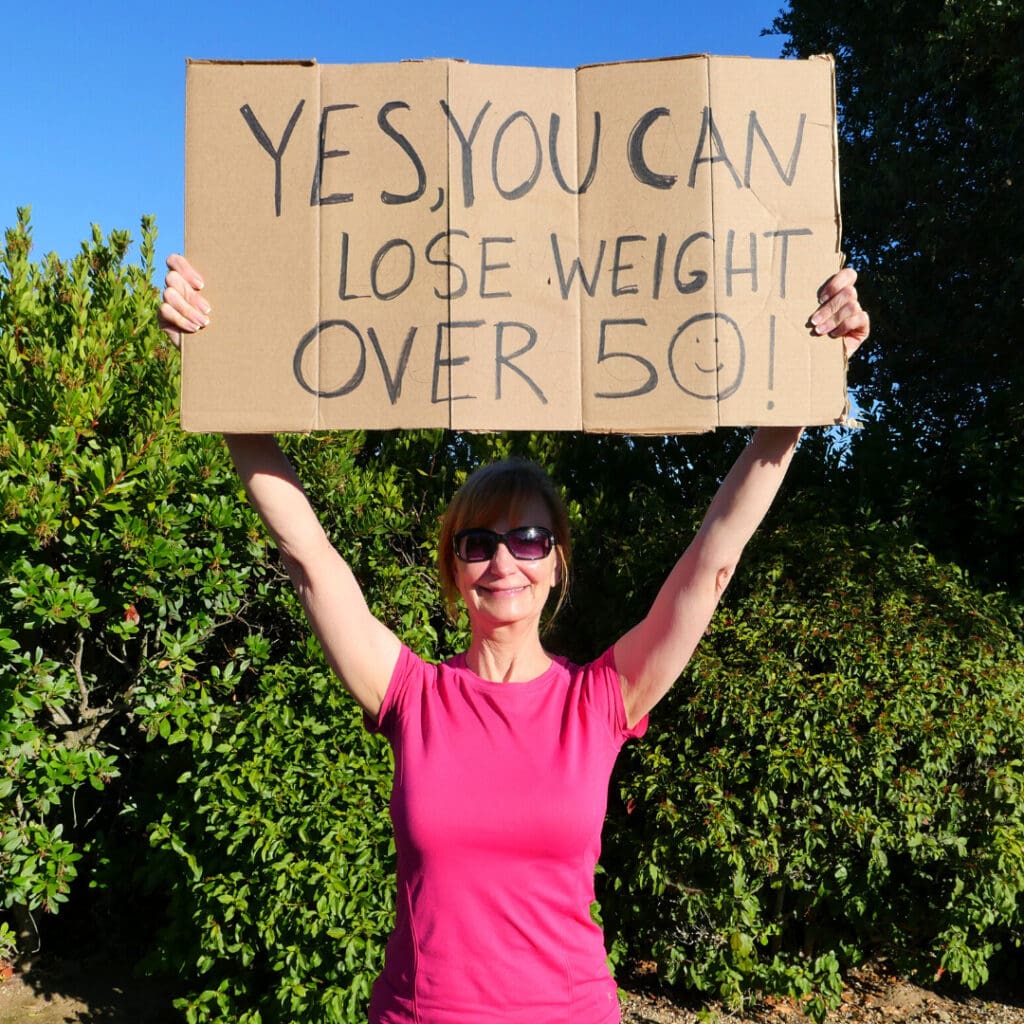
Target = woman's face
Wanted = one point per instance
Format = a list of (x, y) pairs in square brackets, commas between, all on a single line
[(506, 590)]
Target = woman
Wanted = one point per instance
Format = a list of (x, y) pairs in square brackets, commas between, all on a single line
[(503, 754)]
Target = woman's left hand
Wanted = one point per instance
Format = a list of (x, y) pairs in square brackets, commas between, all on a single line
[(840, 314)]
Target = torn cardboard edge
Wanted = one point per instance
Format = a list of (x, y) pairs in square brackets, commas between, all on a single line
[(629, 248)]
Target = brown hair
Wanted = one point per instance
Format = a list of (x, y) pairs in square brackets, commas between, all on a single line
[(489, 493)]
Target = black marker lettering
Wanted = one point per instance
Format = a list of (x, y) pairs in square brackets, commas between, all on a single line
[(565, 284), (713, 372), (718, 153), (732, 271), (501, 359), (446, 261), (391, 198), (314, 335), (276, 152), (448, 326), (618, 265), (603, 354), (698, 278), (378, 259), (659, 265), (531, 179), (343, 293), (637, 162), (557, 167), (467, 149), (785, 235), (754, 128), (393, 384), (316, 196), (486, 267)]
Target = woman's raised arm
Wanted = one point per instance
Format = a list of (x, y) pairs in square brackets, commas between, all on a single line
[(360, 649), (651, 656)]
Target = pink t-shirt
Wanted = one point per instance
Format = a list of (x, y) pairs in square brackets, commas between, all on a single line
[(499, 796)]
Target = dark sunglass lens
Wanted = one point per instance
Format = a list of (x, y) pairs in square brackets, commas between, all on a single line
[(477, 546), (529, 542)]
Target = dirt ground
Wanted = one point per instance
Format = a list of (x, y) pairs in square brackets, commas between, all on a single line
[(872, 995), (64, 992)]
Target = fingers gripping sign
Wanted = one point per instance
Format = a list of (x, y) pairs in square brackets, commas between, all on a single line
[(840, 314), (183, 309)]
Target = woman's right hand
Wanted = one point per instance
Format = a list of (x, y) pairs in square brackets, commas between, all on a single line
[(183, 308)]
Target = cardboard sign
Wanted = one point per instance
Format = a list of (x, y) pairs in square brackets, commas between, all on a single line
[(628, 247)]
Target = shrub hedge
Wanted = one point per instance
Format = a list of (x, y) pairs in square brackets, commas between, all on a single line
[(837, 774)]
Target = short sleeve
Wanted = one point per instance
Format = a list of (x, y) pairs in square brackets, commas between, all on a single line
[(408, 675), (607, 686)]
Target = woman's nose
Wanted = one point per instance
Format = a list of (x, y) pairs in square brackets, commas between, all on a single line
[(502, 559)]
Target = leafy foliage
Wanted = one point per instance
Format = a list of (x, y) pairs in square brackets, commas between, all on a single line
[(288, 852), (839, 773), (931, 151), (84, 399)]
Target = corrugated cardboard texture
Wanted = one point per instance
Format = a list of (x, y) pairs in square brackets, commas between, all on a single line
[(628, 247)]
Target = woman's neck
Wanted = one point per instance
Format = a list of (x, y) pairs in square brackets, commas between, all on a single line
[(508, 659)]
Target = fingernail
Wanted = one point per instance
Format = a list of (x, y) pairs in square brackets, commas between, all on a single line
[(204, 306)]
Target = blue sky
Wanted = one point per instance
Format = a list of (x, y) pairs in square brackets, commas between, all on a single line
[(93, 93)]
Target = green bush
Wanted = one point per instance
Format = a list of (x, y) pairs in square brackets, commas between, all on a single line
[(283, 828), (84, 399), (142, 599), (282, 849), (839, 773)]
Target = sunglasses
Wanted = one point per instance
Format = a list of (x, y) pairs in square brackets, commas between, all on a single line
[(526, 543)]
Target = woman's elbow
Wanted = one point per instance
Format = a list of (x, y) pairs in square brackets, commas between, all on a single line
[(722, 577), (296, 572)]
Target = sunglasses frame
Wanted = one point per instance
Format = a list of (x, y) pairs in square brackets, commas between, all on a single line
[(504, 538)]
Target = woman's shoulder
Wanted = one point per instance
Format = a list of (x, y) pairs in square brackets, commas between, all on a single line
[(410, 675), (602, 666), (600, 687)]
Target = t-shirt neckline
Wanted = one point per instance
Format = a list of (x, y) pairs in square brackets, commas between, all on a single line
[(458, 663)]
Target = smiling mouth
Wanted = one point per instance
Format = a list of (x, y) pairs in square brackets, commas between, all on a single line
[(504, 591)]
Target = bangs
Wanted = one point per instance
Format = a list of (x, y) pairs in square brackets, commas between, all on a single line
[(506, 495)]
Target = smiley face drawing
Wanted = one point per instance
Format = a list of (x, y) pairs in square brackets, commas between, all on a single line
[(707, 355)]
